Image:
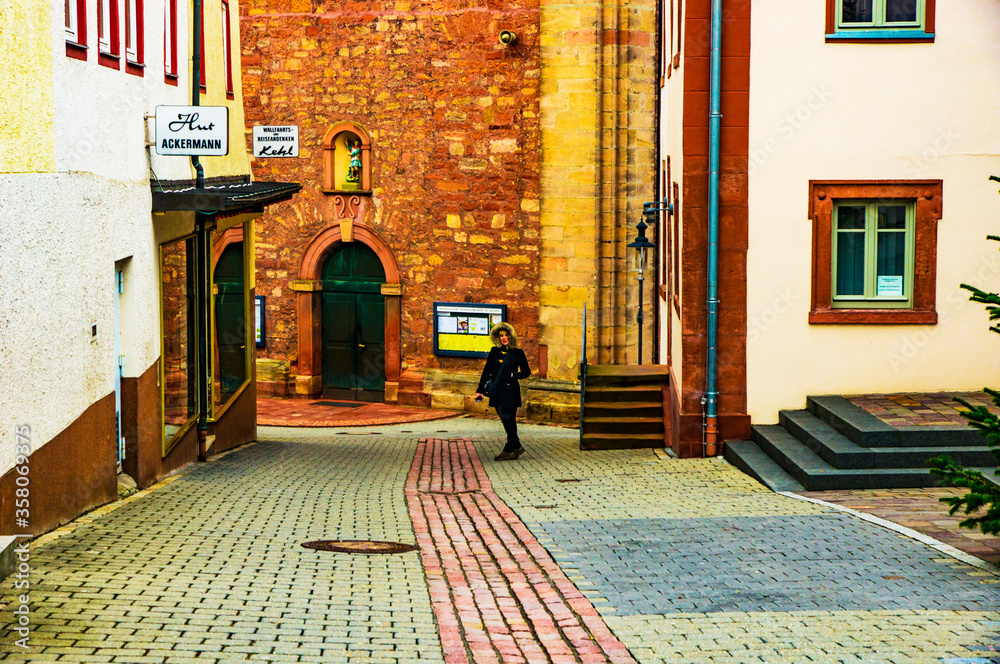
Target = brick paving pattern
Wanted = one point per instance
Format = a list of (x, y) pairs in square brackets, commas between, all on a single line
[(335, 413), (921, 409), (620, 503), (207, 567), (921, 510), (210, 568), (498, 595)]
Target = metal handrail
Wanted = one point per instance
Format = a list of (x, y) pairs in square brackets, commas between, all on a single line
[(583, 369)]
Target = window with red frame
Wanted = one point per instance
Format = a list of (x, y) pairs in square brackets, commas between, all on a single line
[(170, 41), (109, 45), (134, 37), (227, 47), (76, 29)]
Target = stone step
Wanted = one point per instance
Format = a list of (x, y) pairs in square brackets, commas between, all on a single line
[(745, 455), (619, 441), (866, 430), (841, 452), (815, 474)]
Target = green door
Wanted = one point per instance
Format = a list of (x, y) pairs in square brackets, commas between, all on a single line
[(353, 325)]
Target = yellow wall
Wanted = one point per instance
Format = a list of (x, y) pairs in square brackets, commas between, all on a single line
[(26, 108), (236, 162)]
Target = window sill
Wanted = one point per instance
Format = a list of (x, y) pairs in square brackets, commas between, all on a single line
[(76, 51), (111, 60), (135, 68), (171, 79), (902, 36), (872, 317)]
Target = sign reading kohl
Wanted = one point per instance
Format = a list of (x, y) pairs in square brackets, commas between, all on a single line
[(192, 131)]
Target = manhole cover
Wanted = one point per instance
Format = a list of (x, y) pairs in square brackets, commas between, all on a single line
[(359, 546)]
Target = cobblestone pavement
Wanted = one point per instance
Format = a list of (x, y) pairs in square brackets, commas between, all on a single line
[(920, 510), (684, 561)]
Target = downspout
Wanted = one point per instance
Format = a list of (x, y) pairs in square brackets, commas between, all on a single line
[(712, 323), (201, 221)]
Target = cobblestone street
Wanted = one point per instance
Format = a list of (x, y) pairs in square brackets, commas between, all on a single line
[(562, 556)]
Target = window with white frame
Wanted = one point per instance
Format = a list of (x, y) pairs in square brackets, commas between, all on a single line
[(133, 28), (104, 25), (170, 38), (873, 253), (72, 21)]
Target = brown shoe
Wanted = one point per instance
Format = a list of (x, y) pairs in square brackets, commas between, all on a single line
[(504, 456), (516, 453)]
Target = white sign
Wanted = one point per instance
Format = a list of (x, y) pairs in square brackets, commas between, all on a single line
[(282, 141), (889, 285), (192, 131)]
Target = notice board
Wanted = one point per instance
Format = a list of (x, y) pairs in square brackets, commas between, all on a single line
[(463, 329)]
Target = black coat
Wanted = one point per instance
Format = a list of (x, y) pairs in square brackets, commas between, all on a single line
[(508, 393)]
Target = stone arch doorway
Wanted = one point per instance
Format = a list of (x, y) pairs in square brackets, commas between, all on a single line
[(309, 289)]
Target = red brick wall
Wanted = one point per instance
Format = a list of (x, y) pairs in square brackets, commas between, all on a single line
[(453, 117)]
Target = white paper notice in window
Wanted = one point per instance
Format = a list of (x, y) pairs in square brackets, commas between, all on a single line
[(889, 286)]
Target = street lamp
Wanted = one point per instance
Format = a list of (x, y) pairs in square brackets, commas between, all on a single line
[(641, 244)]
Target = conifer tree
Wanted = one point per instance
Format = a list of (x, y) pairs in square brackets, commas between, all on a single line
[(983, 495)]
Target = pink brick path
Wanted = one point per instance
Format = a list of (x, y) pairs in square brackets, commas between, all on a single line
[(497, 594)]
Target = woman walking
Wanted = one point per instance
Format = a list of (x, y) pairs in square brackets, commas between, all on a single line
[(505, 365)]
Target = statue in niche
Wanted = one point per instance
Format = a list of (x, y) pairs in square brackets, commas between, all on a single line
[(354, 165)]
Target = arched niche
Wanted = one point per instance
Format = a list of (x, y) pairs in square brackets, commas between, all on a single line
[(337, 145), (308, 289)]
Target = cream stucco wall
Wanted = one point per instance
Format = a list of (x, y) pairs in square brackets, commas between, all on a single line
[(65, 222), (26, 115), (869, 111)]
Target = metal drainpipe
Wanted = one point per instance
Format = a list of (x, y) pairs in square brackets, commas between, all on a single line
[(201, 248), (714, 123)]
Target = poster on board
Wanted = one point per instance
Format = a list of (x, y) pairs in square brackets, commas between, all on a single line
[(463, 329)]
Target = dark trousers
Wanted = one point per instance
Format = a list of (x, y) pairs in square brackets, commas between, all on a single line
[(508, 417)]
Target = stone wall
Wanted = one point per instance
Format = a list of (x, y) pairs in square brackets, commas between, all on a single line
[(453, 118)]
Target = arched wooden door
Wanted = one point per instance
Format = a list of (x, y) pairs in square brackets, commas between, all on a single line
[(353, 324)]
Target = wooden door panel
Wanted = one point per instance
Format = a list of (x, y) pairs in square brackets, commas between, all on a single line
[(338, 339)]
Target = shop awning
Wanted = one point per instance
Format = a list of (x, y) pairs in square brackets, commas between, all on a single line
[(223, 198)]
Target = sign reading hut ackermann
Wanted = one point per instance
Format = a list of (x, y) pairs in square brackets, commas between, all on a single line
[(192, 130), (279, 141)]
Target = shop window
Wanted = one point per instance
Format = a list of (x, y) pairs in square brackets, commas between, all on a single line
[(231, 356), (134, 37), (899, 20), (874, 251), (178, 363), (76, 29)]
